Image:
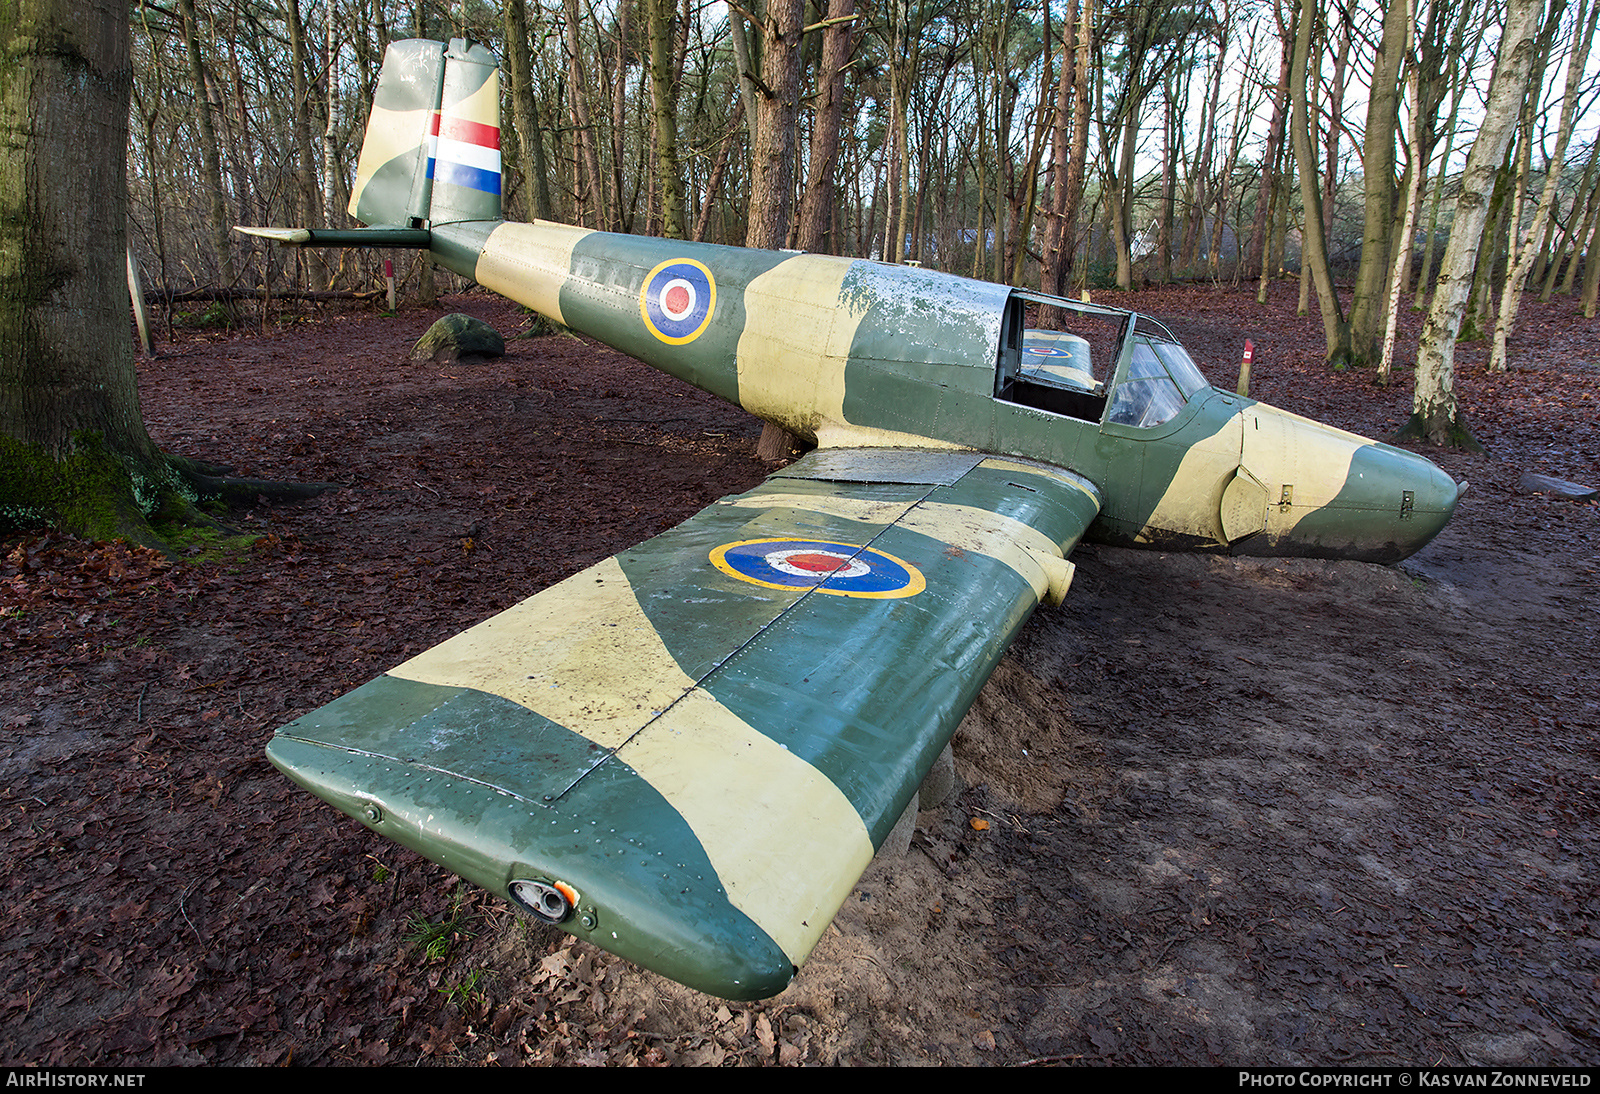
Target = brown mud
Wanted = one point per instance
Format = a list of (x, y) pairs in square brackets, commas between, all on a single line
[(1211, 811)]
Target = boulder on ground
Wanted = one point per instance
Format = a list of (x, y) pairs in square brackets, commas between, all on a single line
[(1560, 488), (456, 337)]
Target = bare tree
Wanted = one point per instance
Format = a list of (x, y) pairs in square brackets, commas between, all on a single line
[(1369, 304), (773, 153), (1442, 64), (772, 157), (525, 107), (1070, 148), (1314, 248), (1257, 262), (1402, 265), (586, 166), (208, 142), (1151, 35), (817, 202), (1511, 294), (1435, 414), (664, 94)]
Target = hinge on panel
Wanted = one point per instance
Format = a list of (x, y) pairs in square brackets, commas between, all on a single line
[(1288, 496), (1407, 500)]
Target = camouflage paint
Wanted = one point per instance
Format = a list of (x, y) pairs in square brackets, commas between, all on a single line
[(650, 730), (392, 185), (704, 739), (806, 341), (464, 138), (429, 95)]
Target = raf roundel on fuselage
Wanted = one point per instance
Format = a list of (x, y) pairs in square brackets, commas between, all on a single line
[(678, 300)]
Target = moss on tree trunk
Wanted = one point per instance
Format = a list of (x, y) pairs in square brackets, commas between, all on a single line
[(100, 494), (1450, 432), (74, 452)]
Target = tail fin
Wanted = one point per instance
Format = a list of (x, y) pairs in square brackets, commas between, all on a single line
[(432, 149)]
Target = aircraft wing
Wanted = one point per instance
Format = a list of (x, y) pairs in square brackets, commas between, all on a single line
[(690, 752)]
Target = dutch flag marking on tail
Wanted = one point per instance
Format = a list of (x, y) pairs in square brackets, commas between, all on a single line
[(464, 153)]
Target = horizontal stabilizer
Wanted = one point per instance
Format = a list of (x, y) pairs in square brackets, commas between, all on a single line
[(419, 238)]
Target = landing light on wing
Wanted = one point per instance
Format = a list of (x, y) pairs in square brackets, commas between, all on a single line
[(551, 901)]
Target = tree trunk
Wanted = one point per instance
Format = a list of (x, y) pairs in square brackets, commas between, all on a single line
[(1314, 256), (73, 447), (663, 91), (1367, 319), (525, 108), (1257, 263), (1444, 61), (1476, 321), (1580, 228), (1172, 140), (817, 203), (772, 156), (66, 374), (747, 76), (621, 209), (1119, 195), (1080, 141), (1200, 183), (1024, 196), (1522, 262), (904, 64), (587, 167), (714, 183), (210, 159), (309, 197), (1402, 266), (894, 144), (1054, 263), (1591, 273), (1429, 246), (1435, 414), (1224, 190), (1336, 86), (332, 209)]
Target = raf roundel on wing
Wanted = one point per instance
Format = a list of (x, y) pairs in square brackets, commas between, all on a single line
[(677, 300), (840, 569)]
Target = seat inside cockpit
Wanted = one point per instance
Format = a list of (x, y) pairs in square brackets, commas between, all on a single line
[(1063, 368)]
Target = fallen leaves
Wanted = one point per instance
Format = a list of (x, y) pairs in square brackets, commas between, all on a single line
[(167, 894)]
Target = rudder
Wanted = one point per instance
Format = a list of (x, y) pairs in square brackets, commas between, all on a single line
[(432, 150)]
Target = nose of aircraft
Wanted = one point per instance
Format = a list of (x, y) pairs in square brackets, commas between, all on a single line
[(1391, 504), (1332, 494), (1428, 495)]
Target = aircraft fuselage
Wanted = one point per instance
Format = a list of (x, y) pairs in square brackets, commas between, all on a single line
[(851, 352)]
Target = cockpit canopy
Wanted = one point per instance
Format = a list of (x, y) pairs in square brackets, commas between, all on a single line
[(1087, 352), (1160, 377)]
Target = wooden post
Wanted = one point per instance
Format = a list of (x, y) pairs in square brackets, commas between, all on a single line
[(140, 316), (775, 443)]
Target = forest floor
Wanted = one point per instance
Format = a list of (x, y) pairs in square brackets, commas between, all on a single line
[(1211, 811)]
